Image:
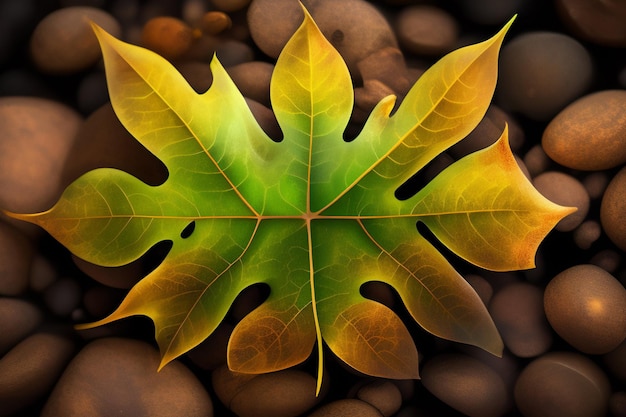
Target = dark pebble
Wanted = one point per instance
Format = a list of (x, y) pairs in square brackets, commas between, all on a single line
[(426, 30), (541, 73), (587, 234), (586, 306), (613, 210), (18, 318), (16, 254), (563, 189), (346, 408), (384, 395), (168, 36), (595, 20), (253, 80), (562, 384)]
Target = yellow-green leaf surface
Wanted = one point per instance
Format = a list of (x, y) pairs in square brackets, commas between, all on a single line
[(313, 216)]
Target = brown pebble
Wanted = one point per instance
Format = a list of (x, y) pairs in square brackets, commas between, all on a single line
[(384, 395), (586, 306), (542, 72), (286, 393), (517, 310), (346, 408), (215, 22), (426, 30), (536, 161), (18, 318), (595, 183), (167, 36), (607, 259), (613, 210), (30, 370), (587, 234), (253, 80), (590, 133), (562, 384), (230, 5), (64, 42), (126, 371), (35, 138), (615, 361), (567, 191), (466, 384), (16, 254), (482, 287), (595, 20)]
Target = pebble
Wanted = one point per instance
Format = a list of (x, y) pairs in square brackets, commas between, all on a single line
[(35, 138), (542, 72), (233, 52), (382, 394), (385, 69), (16, 254), (253, 80), (466, 384), (613, 210), (63, 296), (586, 306), (587, 234), (517, 311), (215, 22), (536, 161), (595, 183), (562, 384), (346, 408), (64, 42), (18, 318), (590, 133), (124, 276), (426, 30), (565, 190), (482, 287), (168, 36), (114, 376), (607, 259), (285, 393), (30, 370), (595, 20)]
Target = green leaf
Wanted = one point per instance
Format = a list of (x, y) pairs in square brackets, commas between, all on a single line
[(313, 216)]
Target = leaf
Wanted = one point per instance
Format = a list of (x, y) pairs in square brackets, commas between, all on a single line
[(313, 216)]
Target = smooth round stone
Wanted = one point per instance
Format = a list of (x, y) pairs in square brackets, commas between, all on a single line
[(466, 384), (35, 138), (253, 80), (346, 408), (42, 273), (285, 393), (595, 20), (30, 369), (562, 384), (482, 287), (586, 306), (233, 52), (64, 41), (536, 161), (565, 190), (18, 318), (542, 72), (214, 22), (607, 259), (115, 376), (354, 27), (168, 36), (384, 395), (595, 183), (590, 133), (426, 30), (587, 234), (613, 210), (16, 254), (517, 311), (63, 296)]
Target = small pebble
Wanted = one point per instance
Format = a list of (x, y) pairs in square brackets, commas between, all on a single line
[(18, 318), (586, 306), (346, 408), (215, 22), (64, 42), (587, 234), (36, 136), (30, 370), (63, 296), (232, 52), (607, 259), (426, 30), (562, 384), (285, 15), (384, 395), (253, 80), (284, 393), (168, 36), (590, 133), (613, 210), (536, 161), (595, 20), (16, 254), (542, 72), (42, 273), (466, 384), (565, 190), (518, 313), (595, 183), (482, 287), (115, 376)]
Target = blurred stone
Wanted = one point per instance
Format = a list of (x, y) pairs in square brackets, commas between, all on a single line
[(64, 42), (168, 36), (613, 210), (565, 190), (16, 254), (587, 234), (115, 376), (18, 318), (542, 72), (346, 408), (427, 30), (595, 20), (384, 395)]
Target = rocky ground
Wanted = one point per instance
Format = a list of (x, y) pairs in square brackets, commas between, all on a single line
[(562, 90)]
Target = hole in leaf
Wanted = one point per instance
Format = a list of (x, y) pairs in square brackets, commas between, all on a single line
[(249, 299), (423, 176), (380, 292), (188, 230)]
